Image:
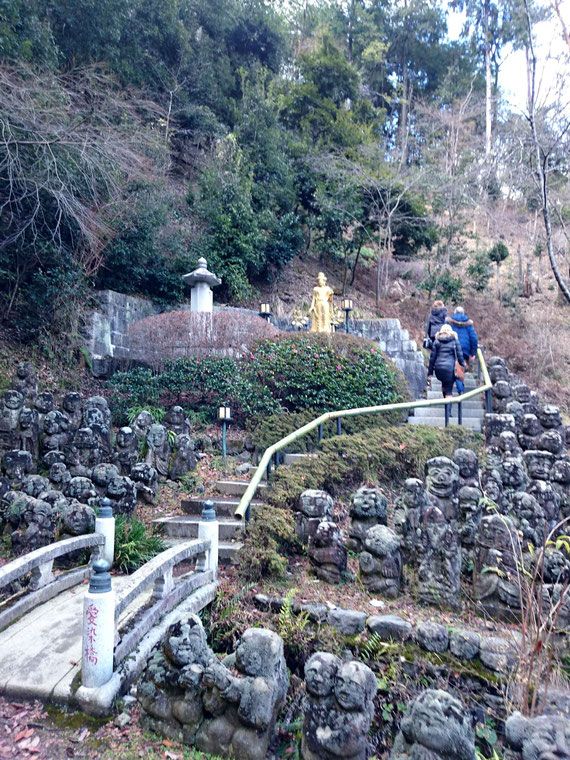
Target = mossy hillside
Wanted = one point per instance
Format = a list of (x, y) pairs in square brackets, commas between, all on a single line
[(388, 456)]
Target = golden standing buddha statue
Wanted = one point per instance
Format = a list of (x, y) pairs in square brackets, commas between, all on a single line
[(321, 309)]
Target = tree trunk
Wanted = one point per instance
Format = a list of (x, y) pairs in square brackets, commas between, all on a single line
[(542, 164), (488, 109), (499, 283), (521, 278)]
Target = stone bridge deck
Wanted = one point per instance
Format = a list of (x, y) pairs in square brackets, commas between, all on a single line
[(40, 654)]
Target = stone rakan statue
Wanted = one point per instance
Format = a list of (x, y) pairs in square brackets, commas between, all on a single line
[(369, 508), (226, 708), (321, 309), (436, 726), (546, 737), (339, 706)]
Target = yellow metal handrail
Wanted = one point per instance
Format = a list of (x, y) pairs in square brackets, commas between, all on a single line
[(245, 500)]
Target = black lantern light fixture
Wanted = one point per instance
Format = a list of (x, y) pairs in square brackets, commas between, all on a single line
[(225, 417), (347, 306), (265, 311)]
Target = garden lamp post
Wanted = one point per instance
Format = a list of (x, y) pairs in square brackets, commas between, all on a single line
[(265, 311), (225, 417), (347, 306), (298, 320)]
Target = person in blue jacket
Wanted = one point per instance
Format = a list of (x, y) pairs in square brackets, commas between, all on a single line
[(467, 336)]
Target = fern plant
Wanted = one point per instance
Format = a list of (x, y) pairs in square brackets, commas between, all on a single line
[(135, 544), (156, 412), (290, 626)]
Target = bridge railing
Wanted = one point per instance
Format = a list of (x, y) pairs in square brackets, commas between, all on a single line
[(243, 509), (166, 592), (44, 585)]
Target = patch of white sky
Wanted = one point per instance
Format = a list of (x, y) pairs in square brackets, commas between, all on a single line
[(553, 64)]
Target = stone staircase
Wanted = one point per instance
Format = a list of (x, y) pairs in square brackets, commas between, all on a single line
[(179, 528), (473, 409)]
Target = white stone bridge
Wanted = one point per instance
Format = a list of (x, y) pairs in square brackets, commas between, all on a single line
[(62, 640)]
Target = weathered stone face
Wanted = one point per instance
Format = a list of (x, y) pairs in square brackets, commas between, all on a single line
[(436, 725), (538, 464), (78, 519), (126, 438), (81, 489), (369, 502), (513, 473), (327, 554), (175, 420), (546, 737), (184, 458), (493, 487), (100, 403), (498, 373), (145, 479), (55, 422), (314, 503), (17, 464), (495, 424), (59, 475), (354, 686), (549, 416), (552, 441), (320, 673), (442, 477), (530, 425), (44, 402), (521, 393), (468, 464), (560, 472), (101, 474), (508, 443), (122, 491), (502, 389), (528, 516), (13, 400), (548, 499)]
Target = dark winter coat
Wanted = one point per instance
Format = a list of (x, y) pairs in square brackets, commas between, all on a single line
[(435, 320), (443, 353), (463, 326)]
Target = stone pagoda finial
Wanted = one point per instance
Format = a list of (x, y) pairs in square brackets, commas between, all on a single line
[(201, 281)]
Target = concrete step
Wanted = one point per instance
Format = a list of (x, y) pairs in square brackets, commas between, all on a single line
[(225, 506), (437, 394), (468, 422), (180, 526), (294, 458), (237, 487), (227, 550), (439, 411)]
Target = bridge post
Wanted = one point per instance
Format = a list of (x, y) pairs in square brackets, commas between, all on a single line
[(98, 628), (105, 525), (208, 529)]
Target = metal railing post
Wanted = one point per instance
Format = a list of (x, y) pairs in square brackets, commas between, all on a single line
[(460, 413), (338, 426), (319, 433), (488, 402), (447, 411)]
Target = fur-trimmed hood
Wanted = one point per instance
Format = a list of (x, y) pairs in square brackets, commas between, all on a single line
[(446, 336), (459, 320)]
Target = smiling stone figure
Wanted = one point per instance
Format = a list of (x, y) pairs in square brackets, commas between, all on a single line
[(436, 726)]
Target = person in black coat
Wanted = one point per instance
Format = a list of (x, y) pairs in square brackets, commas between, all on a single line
[(445, 352), (436, 319)]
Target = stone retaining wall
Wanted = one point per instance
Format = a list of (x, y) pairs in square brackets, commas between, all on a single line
[(106, 340), (495, 653)]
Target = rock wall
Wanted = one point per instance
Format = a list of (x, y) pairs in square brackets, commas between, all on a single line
[(105, 336)]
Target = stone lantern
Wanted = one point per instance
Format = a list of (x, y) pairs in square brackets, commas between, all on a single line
[(201, 282)]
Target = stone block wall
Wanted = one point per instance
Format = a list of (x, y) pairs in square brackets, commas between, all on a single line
[(106, 340)]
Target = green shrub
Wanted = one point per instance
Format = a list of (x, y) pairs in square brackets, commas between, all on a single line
[(135, 544), (270, 539), (310, 372), (381, 455)]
